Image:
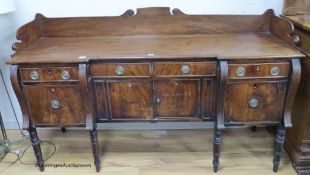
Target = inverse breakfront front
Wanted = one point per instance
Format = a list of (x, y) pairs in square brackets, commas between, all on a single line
[(154, 91)]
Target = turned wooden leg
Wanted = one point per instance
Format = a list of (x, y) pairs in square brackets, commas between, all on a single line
[(95, 147), (63, 129), (216, 149), (36, 147), (278, 147)]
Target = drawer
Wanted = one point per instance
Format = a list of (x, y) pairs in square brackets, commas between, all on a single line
[(50, 105), (50, 74), (121, 70), (186, 69), (251, 102), (262, 70)]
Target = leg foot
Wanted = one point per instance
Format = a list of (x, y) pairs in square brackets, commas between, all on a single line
[(95, 147), (278, 147), (63, 129), (253, 128), (216, 149), (36, 148)]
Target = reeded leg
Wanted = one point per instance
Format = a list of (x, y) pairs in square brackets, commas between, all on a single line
[(36, 147), (95, 147), (278, 147), (216, 149), (63, 129)]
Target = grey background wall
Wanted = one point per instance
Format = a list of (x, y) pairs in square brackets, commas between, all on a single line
[(26, 9)]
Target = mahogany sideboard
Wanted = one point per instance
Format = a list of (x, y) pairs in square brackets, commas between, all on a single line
[(156, 65), (298, 137)]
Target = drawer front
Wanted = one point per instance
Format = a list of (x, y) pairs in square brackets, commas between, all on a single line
[(247, 102), (186, 69), (121, 70), (262, 70), (50, 105), (50, 74)]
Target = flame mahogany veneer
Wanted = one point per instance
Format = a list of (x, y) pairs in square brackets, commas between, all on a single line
[(156, 65)]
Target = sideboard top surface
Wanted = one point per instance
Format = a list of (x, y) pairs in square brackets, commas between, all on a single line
[(154, 33), (222, 46)]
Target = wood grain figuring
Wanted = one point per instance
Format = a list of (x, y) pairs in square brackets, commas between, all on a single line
[(259, 70), (130, 69), (270, 96), (150, 21), (177, 98), (49, 74), (69, 113), (98, 37), (195, 69), (250, 46), (130, 100)]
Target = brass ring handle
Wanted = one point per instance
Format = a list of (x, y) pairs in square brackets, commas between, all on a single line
[(275, 71), (55, 104), (119, 70), (240, 72), (185, 69), (65, 75), (253, 103), (34, 75), (296, 40)]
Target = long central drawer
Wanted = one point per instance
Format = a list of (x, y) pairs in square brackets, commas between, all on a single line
[(157, 69)]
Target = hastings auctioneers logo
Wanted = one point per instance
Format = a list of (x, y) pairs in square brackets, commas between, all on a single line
[(67, 165)]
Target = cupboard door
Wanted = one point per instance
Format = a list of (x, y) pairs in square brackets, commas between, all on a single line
[(130, 100), (257, 101), (177, 98), (55, 105)]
